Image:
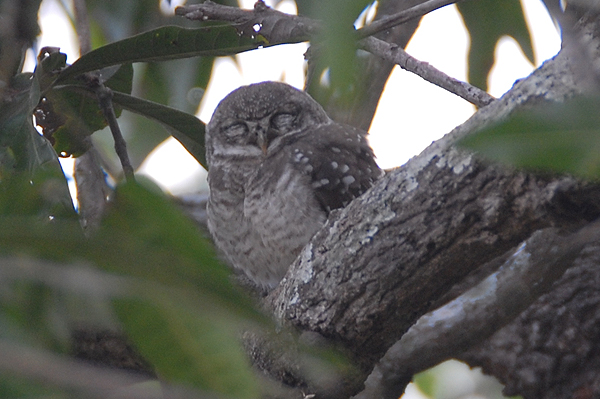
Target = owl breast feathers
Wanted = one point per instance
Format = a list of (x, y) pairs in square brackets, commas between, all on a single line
[(278, 165)]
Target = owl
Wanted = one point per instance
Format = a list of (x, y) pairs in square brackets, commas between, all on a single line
[(278, 165)]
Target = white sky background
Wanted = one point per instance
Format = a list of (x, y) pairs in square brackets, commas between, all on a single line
[(411, 114)]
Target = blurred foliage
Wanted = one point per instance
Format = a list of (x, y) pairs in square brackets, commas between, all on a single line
[(149, 261), (487, 22), (336, 73), (334, 66), (551, 137)]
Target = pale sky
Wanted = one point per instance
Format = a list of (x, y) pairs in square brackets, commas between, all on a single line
[(411, 114), (425, 111)]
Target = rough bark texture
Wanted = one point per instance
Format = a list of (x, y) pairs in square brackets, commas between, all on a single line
[(551, 350), (379, 264)]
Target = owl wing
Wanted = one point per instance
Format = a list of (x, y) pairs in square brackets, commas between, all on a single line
[(339, 162)]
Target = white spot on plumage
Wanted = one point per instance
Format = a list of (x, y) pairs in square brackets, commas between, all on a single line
[(348, 180)]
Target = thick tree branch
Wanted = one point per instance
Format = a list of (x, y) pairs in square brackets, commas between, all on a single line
[(274, 25), (477, 314), (378, 264)]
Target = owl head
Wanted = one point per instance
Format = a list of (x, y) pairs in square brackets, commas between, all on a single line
[(253, 119)]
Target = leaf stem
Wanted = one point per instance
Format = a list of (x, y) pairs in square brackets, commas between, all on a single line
[(104, 95)]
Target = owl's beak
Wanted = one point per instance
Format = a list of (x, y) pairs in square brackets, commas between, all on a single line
[(263, 141)]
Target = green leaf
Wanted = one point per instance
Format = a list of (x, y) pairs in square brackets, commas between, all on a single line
[(186, 128), (188, 346), (28, 163), (21, 146), (556, 137), (334, 53), (487, 21), (79, 114), (165, 43), (177, 304)]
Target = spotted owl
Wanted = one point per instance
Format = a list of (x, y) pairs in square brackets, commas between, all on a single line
[(278, 165)]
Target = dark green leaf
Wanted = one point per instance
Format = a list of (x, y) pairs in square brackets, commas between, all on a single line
[(165, 43), (27, 160), (21, 146), (487, 21), (50, 63), (144, 236), (80, 114), (556, 137), (186, 128)]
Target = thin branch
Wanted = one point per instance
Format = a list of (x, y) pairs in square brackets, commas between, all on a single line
[(403, 16), (480, 312), (278, 27), (397, 55), (104, 95)]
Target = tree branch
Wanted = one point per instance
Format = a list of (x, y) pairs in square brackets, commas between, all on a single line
[(278, 27), (403, 16), (480, 312), (274, 25), (398, 56), (377, 265), (82, 26), (104, 95)]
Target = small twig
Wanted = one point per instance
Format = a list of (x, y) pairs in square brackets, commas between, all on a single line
[(402, 17), (478, 313), (397, 55), (104, 95)]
